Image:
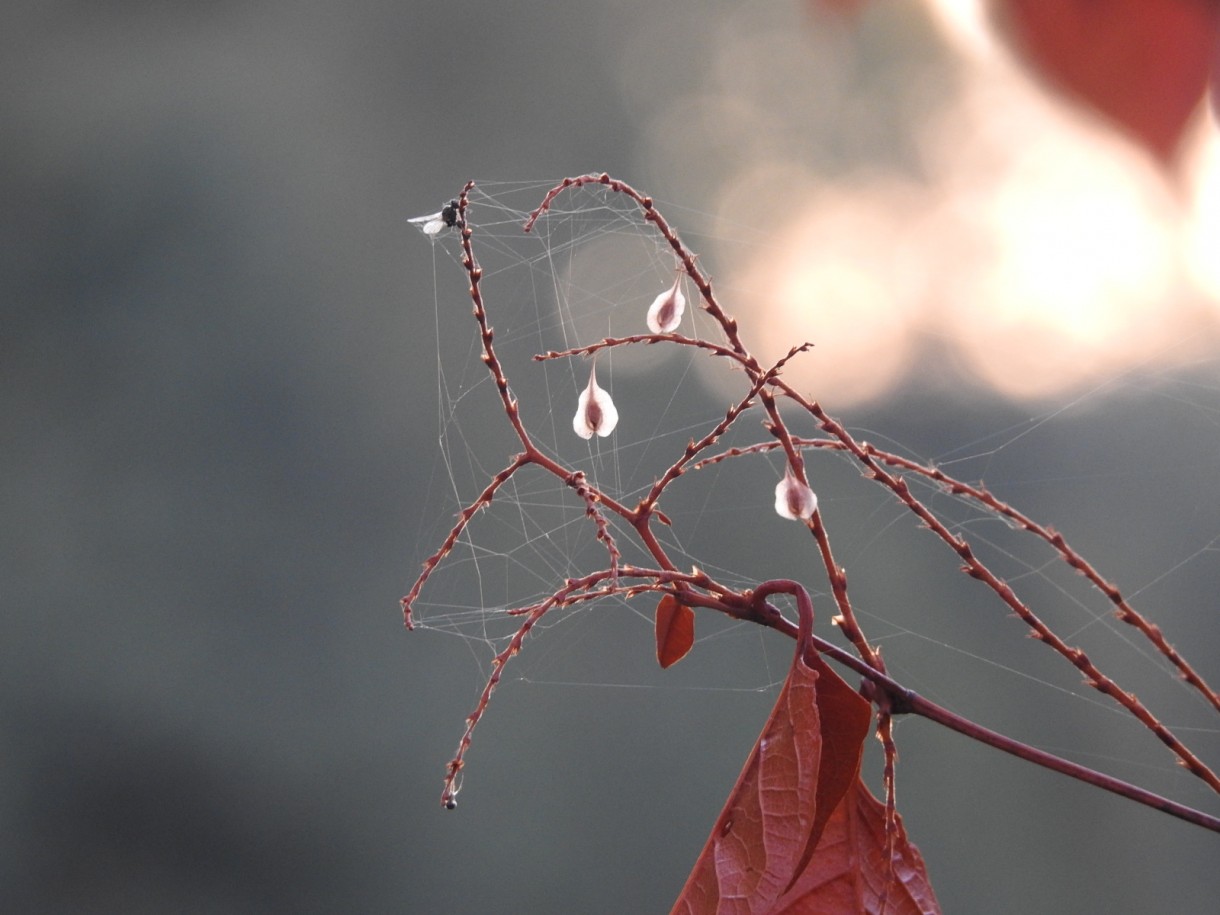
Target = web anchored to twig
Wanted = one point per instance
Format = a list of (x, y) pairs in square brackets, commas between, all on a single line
[(657, 572)]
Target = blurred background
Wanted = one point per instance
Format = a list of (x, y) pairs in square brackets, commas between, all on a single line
[(218, 346)]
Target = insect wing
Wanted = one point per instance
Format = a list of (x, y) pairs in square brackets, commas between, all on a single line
[(432, 224)]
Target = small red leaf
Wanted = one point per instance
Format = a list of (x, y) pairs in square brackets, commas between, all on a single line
[(1141, 63), (675, 630)]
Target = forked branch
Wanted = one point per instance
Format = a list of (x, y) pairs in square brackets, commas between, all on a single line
[(697, 589)]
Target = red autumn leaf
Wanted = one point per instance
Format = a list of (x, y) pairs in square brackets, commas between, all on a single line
[(675, 630), (851, 870), (798, 830), (1142, 63)]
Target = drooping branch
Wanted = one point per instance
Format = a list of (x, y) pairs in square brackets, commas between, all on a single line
[(574, 591), (464, 517)]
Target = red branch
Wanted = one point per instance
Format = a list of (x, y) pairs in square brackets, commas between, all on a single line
[(697, 589)]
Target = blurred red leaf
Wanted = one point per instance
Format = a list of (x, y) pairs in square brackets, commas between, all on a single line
[(1214, 84), (838, 7), (675, 630), (799, 832), (1142, 63)]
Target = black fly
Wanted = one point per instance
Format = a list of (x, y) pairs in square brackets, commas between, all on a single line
[(449, 217)]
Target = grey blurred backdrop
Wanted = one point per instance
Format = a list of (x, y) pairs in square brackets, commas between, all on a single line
[(218, 425)]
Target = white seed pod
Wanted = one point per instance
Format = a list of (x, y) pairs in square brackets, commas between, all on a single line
[(595, 411), (665, 313), (793, 499)]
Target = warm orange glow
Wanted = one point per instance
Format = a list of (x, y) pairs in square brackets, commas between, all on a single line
[(1037, 249), (1203, 227), (1078, 270), (836, 275)]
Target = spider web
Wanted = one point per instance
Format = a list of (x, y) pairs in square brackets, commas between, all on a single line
[(588, 270), (1127, 468)]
